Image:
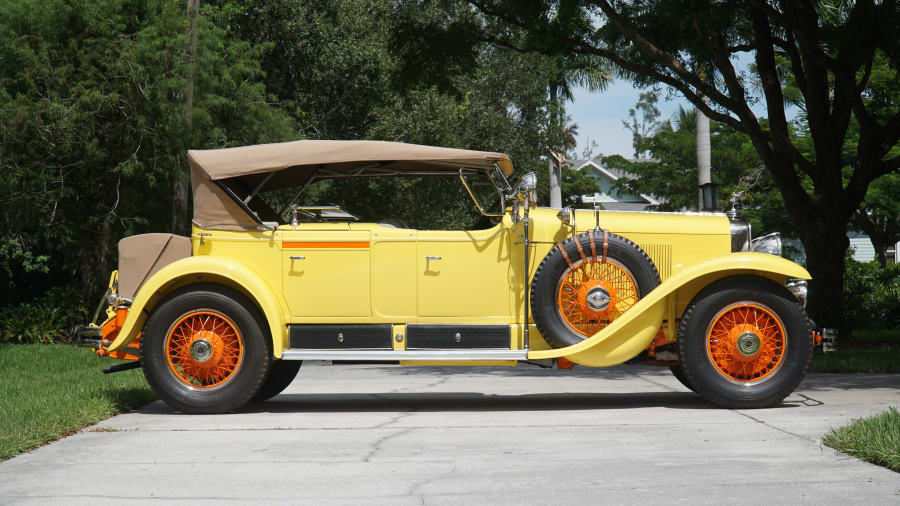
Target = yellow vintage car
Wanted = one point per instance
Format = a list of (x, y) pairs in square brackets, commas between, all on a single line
[(226, 316)]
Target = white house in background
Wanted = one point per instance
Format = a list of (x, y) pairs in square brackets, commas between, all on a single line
[(607, 194), (864, 251)]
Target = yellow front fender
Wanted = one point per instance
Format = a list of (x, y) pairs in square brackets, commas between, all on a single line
[(632, 332), (204, 269)]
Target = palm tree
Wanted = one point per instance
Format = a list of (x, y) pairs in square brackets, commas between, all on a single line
[(571, 70), (704, 154), (569, 133)]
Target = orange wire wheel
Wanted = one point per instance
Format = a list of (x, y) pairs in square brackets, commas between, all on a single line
[(746, 342), (591, 294), (204, 349)]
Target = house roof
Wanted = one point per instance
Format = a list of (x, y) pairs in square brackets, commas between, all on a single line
[(616, 174)]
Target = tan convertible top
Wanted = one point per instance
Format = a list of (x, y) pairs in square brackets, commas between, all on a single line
[(246, 170)]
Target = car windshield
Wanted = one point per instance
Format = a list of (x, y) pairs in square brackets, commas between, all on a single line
[(427, 203)]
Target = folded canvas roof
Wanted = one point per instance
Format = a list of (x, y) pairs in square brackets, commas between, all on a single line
[(248, 169)]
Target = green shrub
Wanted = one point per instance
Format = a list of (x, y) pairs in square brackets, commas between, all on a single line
[(871, 295), (46, 319)]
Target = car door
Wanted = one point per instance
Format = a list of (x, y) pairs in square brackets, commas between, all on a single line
[(393, 274), (464, 274), (326, 271)]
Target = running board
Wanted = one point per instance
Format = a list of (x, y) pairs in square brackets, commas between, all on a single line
[(393, 355)]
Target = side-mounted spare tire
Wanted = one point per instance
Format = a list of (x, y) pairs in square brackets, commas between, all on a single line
[(587, 281)]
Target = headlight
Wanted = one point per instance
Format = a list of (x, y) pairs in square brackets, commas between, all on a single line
[(770, 244), (798, 287)]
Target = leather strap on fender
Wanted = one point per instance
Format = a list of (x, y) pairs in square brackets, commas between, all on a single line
[(605, 244), (578, 245), (563, 251), (593, 246)]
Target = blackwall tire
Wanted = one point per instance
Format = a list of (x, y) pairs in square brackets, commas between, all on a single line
[(573, 299), (204, 350), (281, 374), (744, 342), (678, 372)]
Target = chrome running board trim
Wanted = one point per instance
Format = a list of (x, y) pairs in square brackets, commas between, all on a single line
[(392, 355)]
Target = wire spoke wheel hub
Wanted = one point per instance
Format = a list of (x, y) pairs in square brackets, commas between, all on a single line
[(204, 349), (746, 342), (591, 294)]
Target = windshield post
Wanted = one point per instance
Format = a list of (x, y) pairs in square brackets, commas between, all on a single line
[(462, 177)]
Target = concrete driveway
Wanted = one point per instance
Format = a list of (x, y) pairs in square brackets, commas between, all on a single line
[(371, 434)]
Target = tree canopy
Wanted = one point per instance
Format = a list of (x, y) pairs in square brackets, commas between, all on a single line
[(830, 49), (93, 101), (100, 99)]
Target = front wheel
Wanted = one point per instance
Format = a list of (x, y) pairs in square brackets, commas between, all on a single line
[(204, 350), (281, 375), (678, 372), (744, 342)]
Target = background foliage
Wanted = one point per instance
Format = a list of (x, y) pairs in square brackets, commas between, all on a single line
[(93, 112), (93, 130)]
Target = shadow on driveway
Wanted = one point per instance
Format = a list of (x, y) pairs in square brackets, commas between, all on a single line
[(469, 401)]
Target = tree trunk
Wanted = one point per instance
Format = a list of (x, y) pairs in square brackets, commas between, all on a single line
[(180, 183), (180, 198), (703, 155), (555, 170), (826, 244), (555, 188)]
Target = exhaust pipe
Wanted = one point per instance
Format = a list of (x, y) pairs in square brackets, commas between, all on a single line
[(87, 336), (134, 364)]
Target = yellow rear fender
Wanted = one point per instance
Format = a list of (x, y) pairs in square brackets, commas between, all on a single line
[(632, 332), (204, 269)]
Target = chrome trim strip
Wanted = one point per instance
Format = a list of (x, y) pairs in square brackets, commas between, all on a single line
[(391, 355)]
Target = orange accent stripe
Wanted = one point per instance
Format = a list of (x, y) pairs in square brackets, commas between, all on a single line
[(291, 245)]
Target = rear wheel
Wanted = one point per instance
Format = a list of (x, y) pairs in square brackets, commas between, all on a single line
[(744, 343), (204, 350)]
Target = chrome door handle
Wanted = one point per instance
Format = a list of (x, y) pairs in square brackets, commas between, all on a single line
[(298, 257), (431, 257)]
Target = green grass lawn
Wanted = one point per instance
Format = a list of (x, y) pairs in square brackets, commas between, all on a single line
[(50, 390), (875, 439), (874, 351)]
